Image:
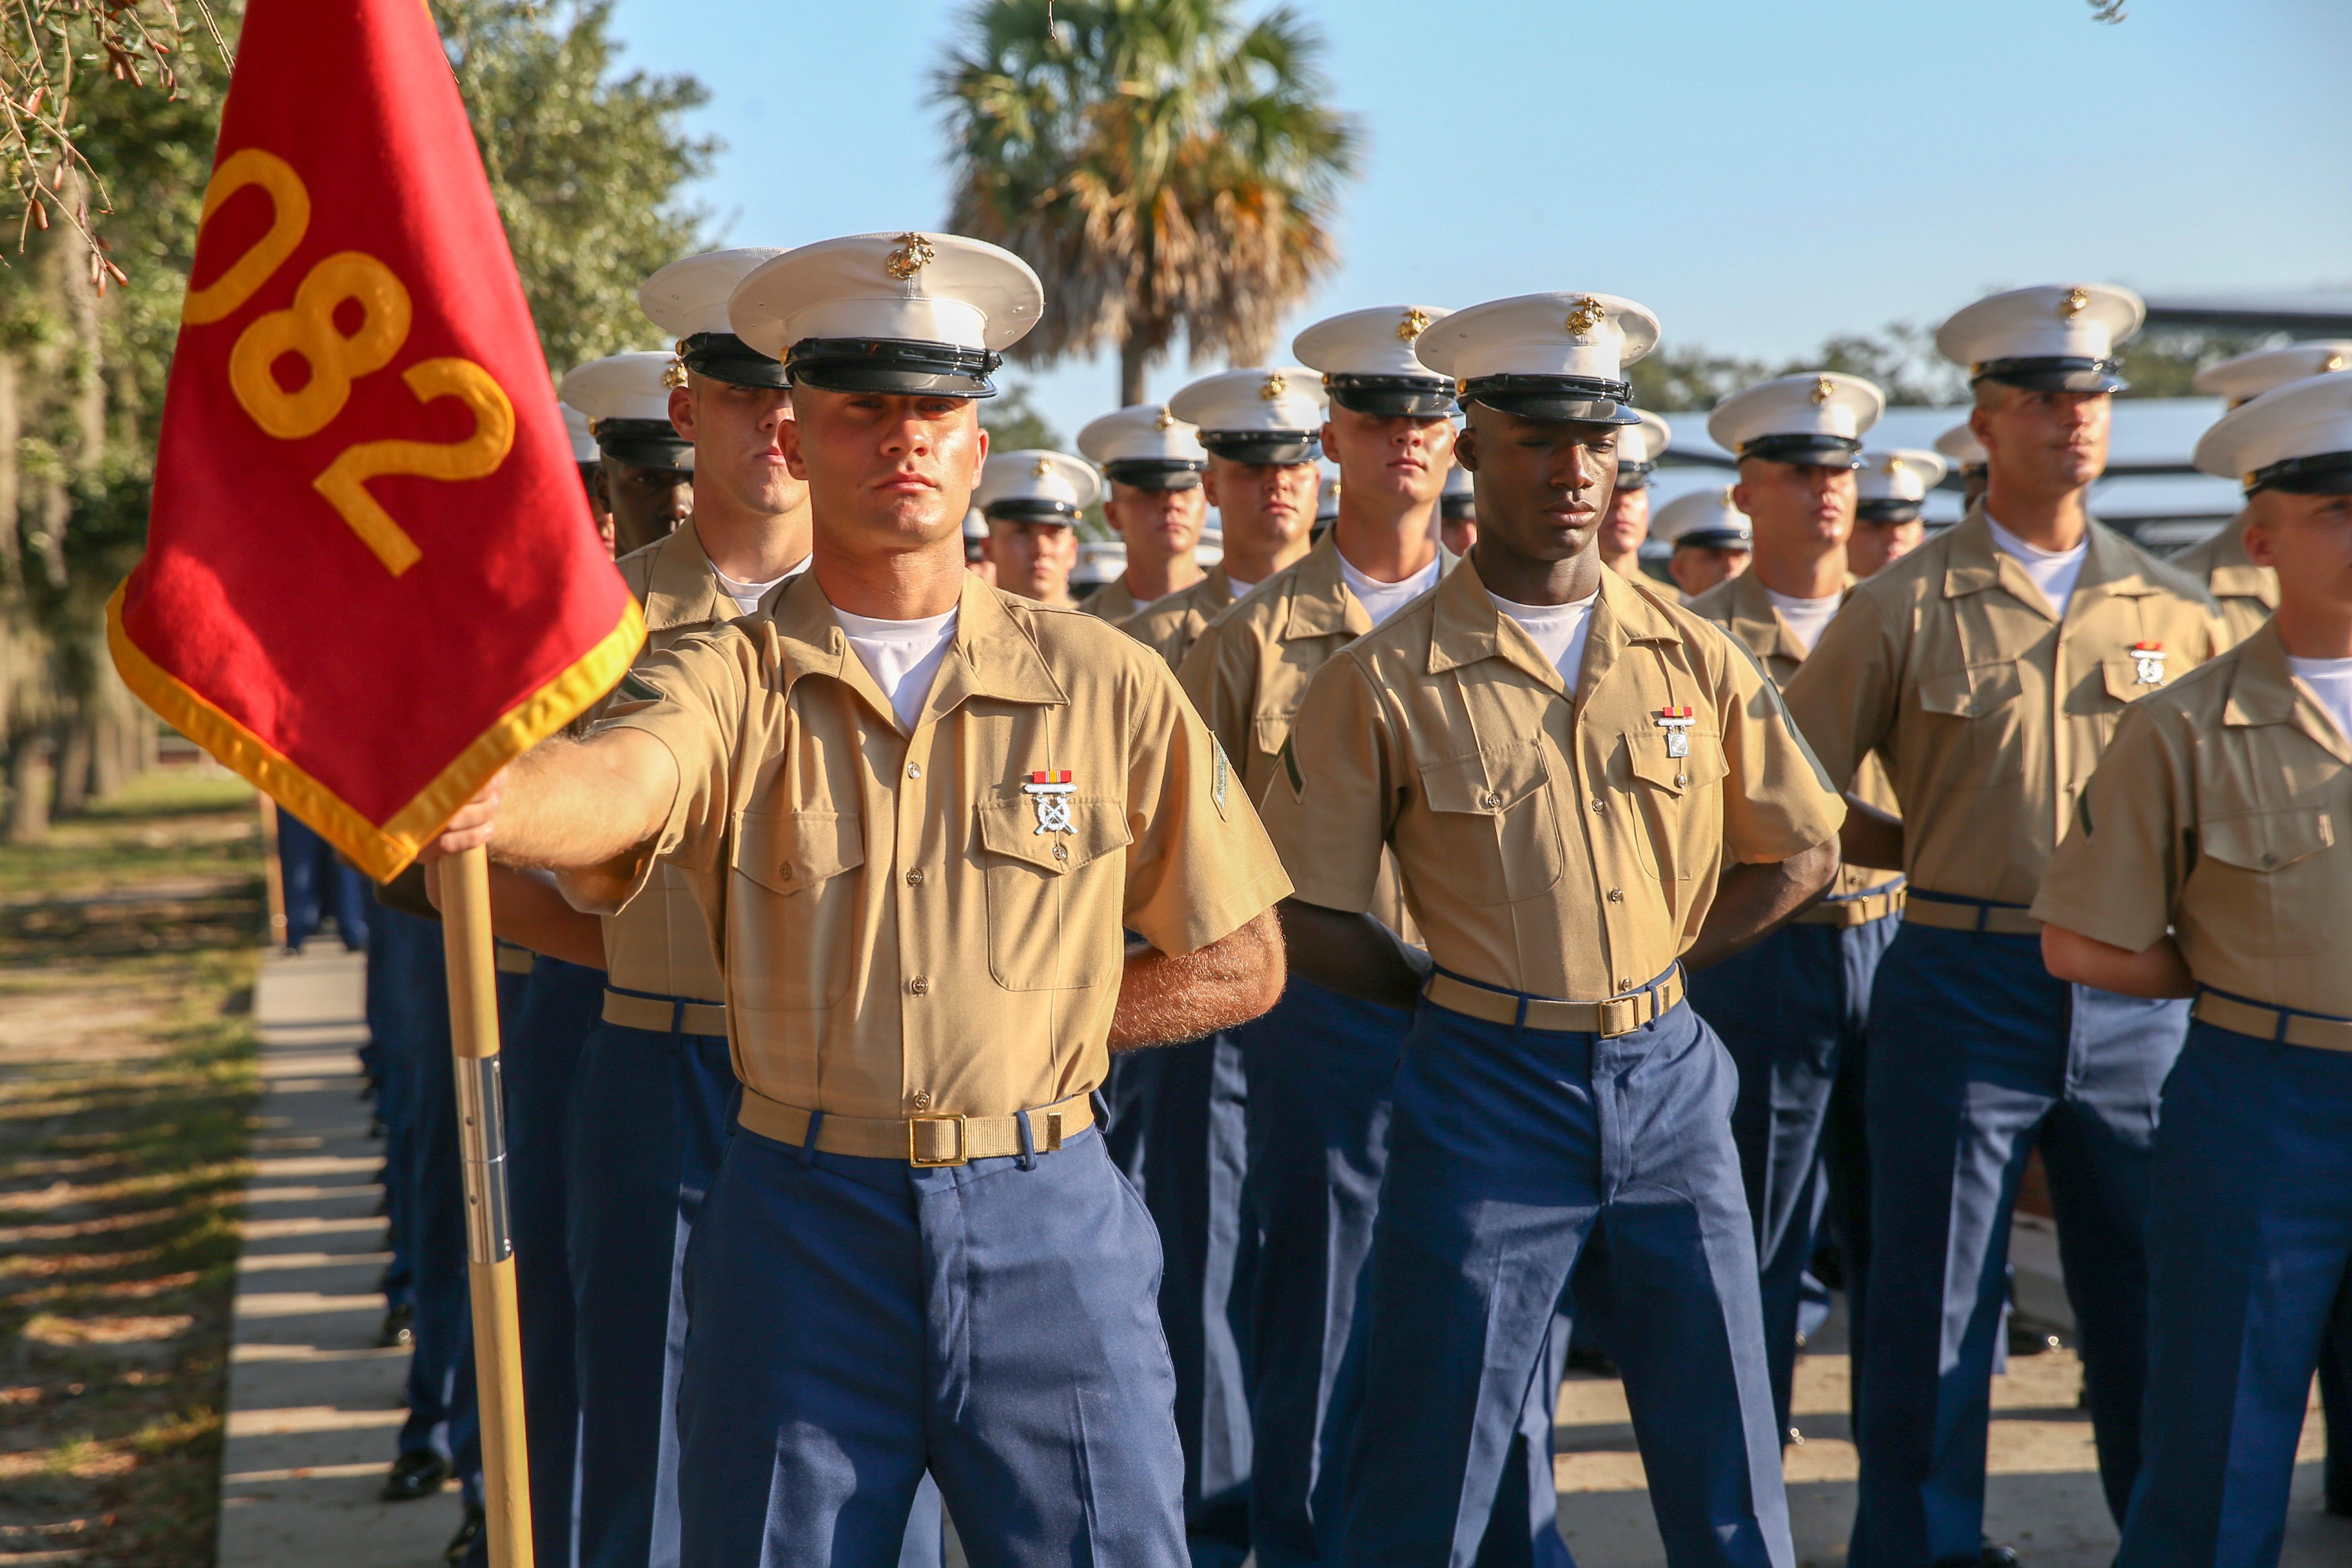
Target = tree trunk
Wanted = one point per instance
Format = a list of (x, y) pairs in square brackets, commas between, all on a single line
[(12, 565), (90, 378), (77, 739), (28, 789), (1133, 360), (106, 774)]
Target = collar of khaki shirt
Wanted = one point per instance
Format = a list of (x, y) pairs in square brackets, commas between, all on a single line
[(1755, 621), (2263, 691), (987, 658), (1468, 628), (1976, 564)]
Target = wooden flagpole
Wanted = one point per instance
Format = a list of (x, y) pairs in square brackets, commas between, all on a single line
[(490, 1243)]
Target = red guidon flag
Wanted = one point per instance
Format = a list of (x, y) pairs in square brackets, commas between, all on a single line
[(371, 576)]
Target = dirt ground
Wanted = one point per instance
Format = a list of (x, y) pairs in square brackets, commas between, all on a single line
[(126, 953)]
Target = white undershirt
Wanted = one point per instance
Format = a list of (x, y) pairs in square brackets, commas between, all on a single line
[(1381, 600), (1557, 629), (1238, 586), (903, 657), (747, 595), (2330, 680), (2053, 571), (1809, 619)]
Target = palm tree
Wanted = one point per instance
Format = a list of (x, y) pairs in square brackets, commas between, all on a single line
[(1165, 167)]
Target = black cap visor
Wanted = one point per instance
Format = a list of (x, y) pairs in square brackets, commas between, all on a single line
[(2053, 374), (1716, 539), (1262, 448), (648, 443), (1804, 451), (1887, 511), (1389, 396), (1031, 509), (723, 356), (2327, 474), (900, 367), (1579, 399), (1457, 507), (1634, 476), (1155, 473)]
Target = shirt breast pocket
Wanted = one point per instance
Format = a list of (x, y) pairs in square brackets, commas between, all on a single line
[(792, 915), (1056, 899), (2261, 863), (1497, 831), (1981, 699), (1679, 797)]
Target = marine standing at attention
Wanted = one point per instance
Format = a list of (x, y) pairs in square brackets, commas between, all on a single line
[(1262, 480), (918, 864), (644, 476), (1628, 522), (1792, 1008), (1583, 785), (1710, 537), (2246, 593), (1033, 500), (1989, 668), (1150, 463), (2208, 862), (1318, 1066), (1890, 500)]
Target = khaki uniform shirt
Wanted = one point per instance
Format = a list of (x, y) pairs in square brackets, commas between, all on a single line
[(1741, 606), (900, 932), (1991, 714), (1113, 601), (660, 945), (2222, 810), (1249, 670), (1171, 625), (2246, 593), (1548, 848)]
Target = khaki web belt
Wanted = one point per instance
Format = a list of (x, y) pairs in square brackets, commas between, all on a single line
[(920, 1140)]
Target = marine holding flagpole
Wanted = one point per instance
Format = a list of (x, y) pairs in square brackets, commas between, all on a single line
[(360, 438)]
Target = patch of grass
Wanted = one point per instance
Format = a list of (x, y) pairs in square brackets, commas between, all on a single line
[(125, 1111), (184, 826)]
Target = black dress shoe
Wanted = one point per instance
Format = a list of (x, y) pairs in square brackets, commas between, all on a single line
[(463, 1542), (398, 1332), (415, 1475)]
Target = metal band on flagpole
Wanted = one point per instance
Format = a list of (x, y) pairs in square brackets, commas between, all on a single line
[(489, 1244)]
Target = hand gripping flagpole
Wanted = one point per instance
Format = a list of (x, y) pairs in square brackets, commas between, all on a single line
[(490, 1243)]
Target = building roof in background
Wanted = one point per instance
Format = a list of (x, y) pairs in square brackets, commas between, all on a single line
[(2314, 312)]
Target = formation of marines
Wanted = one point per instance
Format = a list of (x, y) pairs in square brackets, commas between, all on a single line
[(1170, 1078)]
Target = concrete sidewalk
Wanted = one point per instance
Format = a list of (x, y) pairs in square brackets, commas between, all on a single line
[(313, 1404)]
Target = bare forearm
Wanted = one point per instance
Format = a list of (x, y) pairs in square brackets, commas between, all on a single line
[(2156, 971), (1165, 998), (1751, 902), (1353, 954), (1870, 837), (575, 805)]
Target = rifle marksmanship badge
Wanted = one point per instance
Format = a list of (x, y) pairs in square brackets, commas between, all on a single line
[(1052, 793), (1677, 722), (2147, 663)]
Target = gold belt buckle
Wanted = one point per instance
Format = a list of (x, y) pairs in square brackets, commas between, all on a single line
[(962, 1142)]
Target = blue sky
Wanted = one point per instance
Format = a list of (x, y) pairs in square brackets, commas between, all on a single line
[(1760, 175)]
